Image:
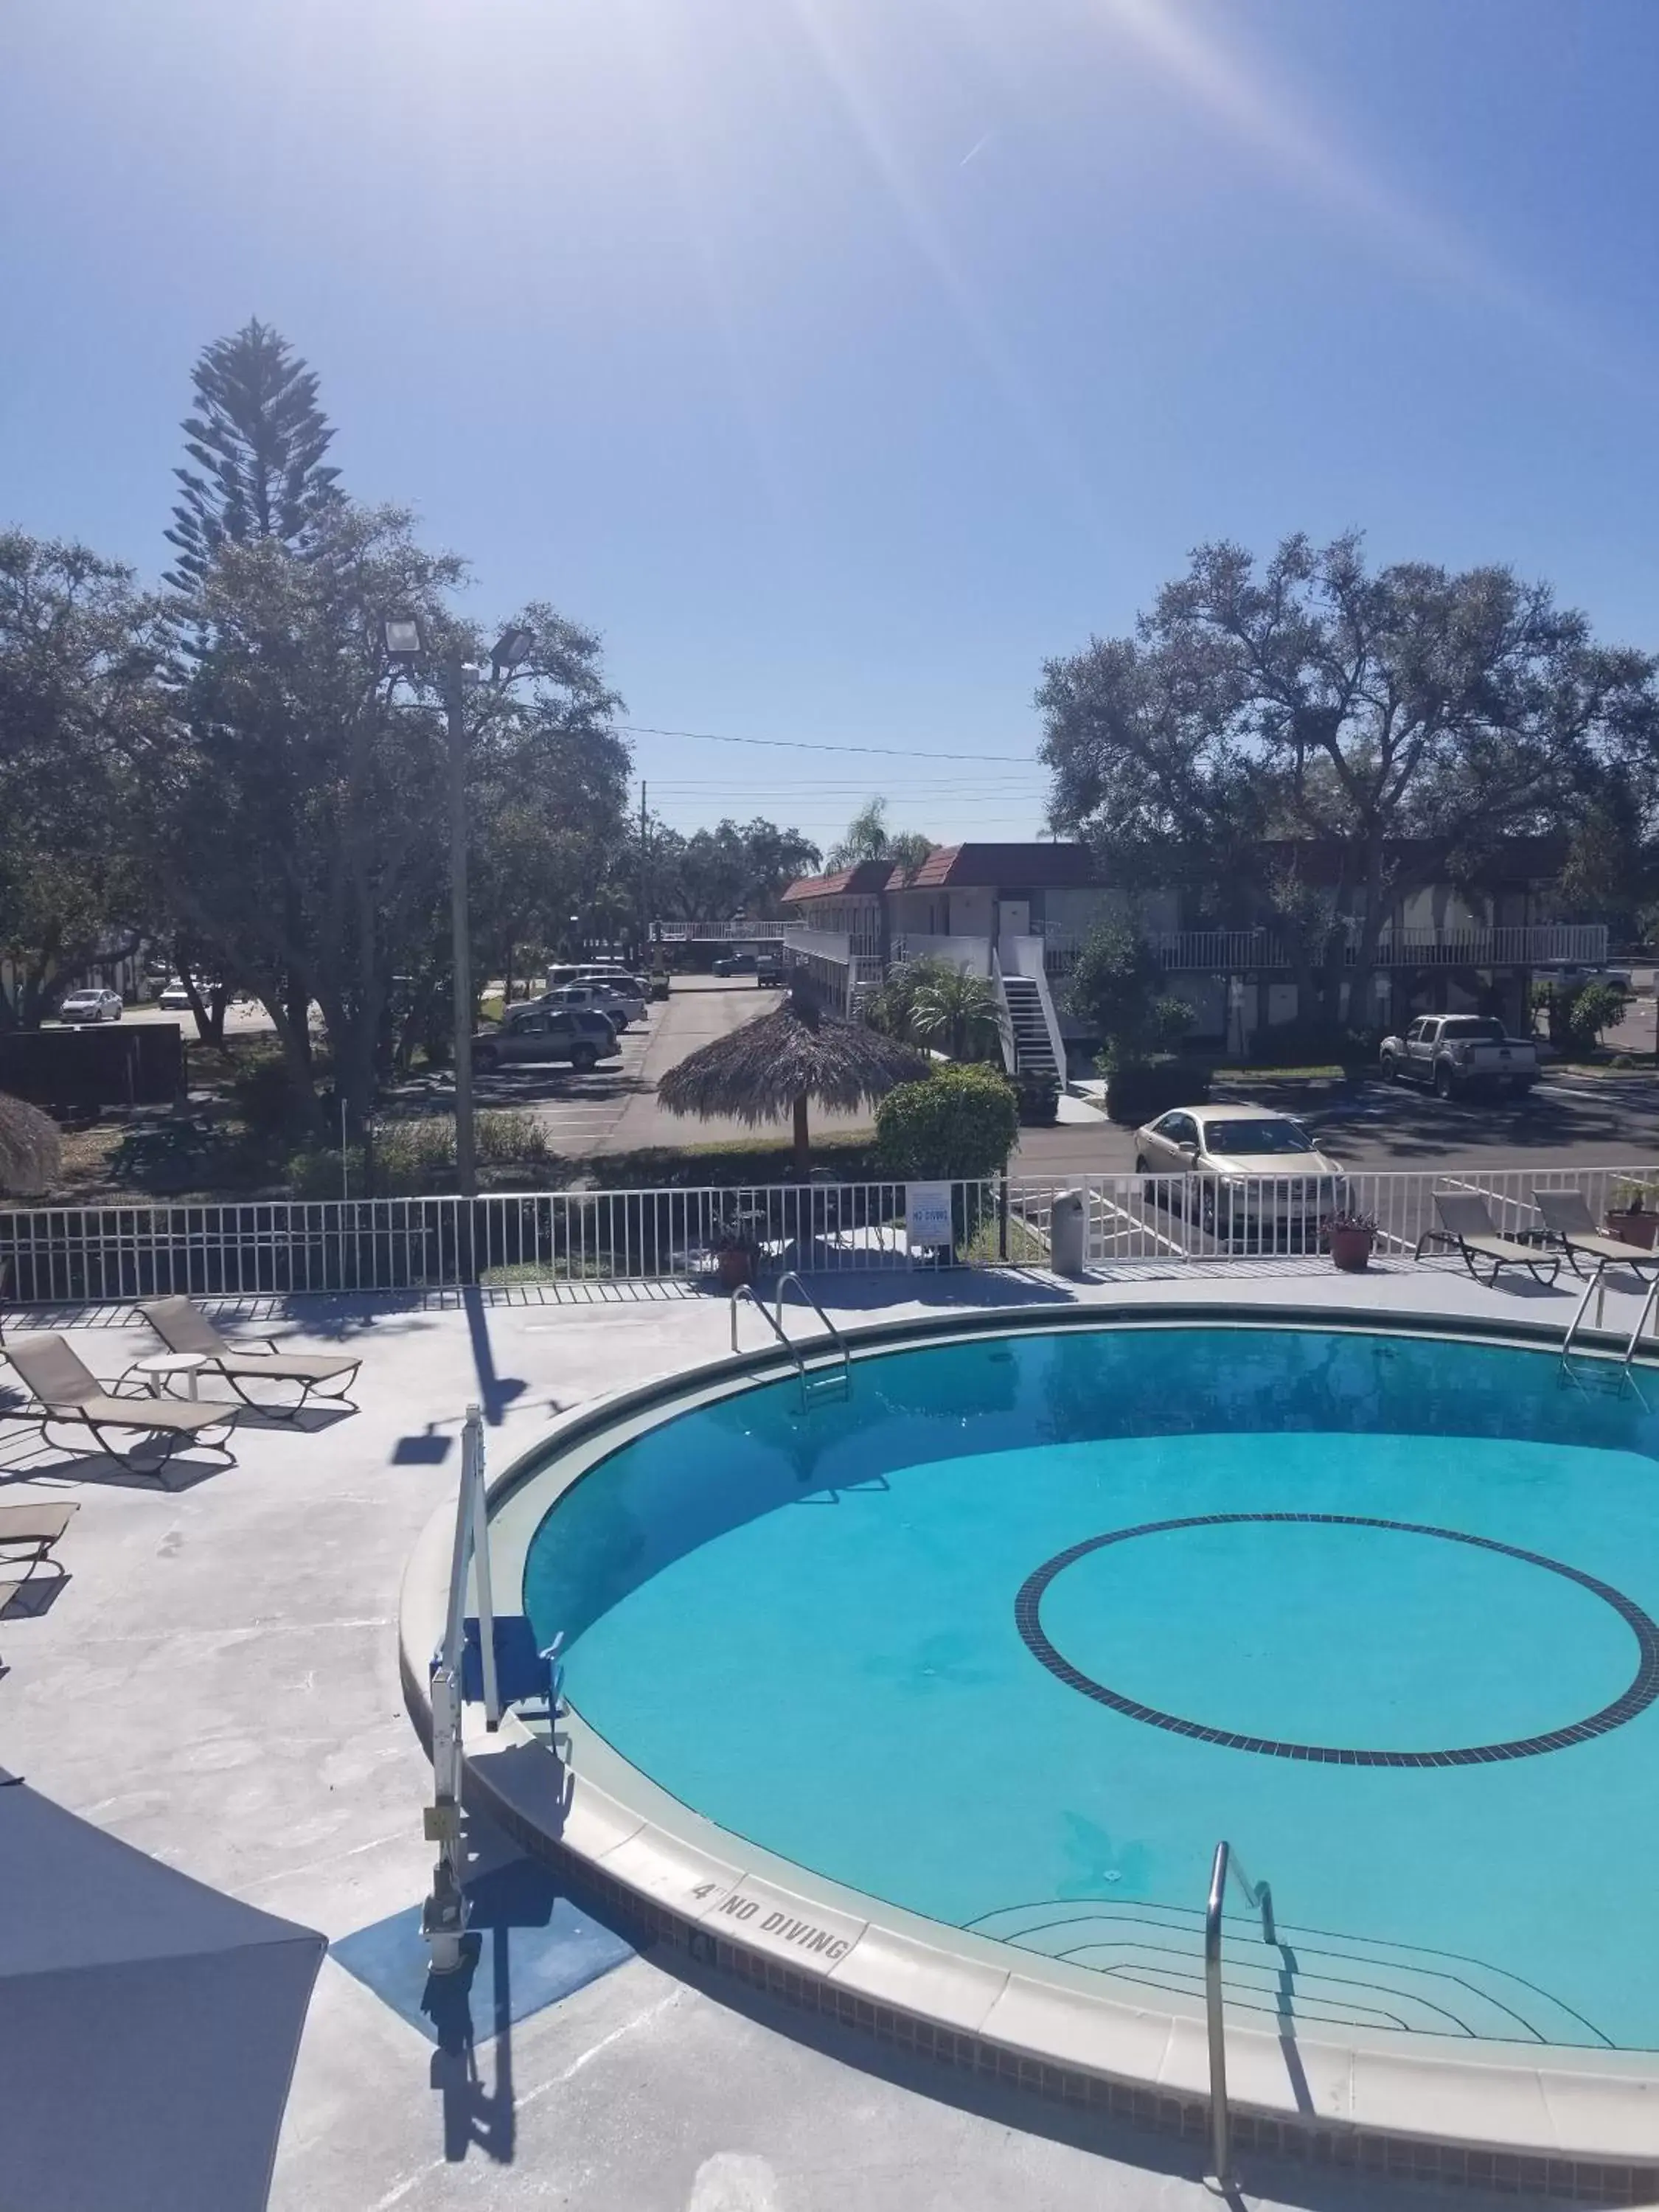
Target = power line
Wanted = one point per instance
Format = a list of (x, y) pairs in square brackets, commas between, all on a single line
[(803, 745)]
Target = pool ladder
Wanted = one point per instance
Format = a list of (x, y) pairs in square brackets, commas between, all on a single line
[(1596, 1288), (816, 1383), (1259, 1898)]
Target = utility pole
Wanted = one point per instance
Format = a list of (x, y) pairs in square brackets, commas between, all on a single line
[(645, 877), (466, 1163)]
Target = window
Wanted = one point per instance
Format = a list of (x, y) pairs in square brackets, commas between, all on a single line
[(1480, 1027), (1250, 1139), (1178, 1128), (529, 1026), (1417, 1032)]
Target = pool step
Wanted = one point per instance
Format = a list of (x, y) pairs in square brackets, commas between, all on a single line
[(821, 1385), (1311, 1977)]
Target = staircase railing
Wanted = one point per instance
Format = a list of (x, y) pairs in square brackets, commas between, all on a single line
[(1259, 1898)]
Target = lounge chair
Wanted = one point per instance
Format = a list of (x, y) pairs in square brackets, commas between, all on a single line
[(27, 1534), (182, 1327), (1568, 1218), (1466, 1223), (68, 1393)]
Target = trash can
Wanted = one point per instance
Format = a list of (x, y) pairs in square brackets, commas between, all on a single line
[(1069, 1232)]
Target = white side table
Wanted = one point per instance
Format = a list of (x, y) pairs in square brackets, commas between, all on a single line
[(158, 1373)]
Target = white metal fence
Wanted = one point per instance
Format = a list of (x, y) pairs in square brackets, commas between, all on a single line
[(68, 1254)]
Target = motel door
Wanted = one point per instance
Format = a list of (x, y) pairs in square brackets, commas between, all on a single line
[(1014, 918)]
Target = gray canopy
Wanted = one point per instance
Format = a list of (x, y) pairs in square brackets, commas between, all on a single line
[(148, 2024)]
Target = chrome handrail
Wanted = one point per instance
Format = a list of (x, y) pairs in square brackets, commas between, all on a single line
[(1260, 1897), (746, 1290), (835, 1334), (1642, 1320), (1596, 1283), (775, 1321)]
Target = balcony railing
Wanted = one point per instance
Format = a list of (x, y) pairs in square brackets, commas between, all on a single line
[(717, 932), (1238, 951)]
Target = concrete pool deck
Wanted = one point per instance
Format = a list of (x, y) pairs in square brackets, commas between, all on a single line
[(218, 1683)]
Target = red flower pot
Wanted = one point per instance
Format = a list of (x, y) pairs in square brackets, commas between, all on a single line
[(1350, 1249)]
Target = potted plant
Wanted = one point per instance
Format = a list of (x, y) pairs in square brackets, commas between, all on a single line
[(735, 1249), (1348, 1237), (1632, 1223)]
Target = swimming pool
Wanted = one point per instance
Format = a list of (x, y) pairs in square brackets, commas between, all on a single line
[(1012, 1635)]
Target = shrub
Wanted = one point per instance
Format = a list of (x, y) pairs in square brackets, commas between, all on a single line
[(264, 1094), (1039, 1099), (1597, 1007), (1117, 988), (958, 1124)]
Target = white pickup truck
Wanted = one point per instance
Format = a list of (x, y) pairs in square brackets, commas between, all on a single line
[(1455, 1053)]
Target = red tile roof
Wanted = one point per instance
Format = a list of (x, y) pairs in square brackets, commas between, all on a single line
[(867, 880), (1012, 867)]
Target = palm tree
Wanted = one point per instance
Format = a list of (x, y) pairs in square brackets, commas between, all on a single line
[(959, 1013), (776, 1065)]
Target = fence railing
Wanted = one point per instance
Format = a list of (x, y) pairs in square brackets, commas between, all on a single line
[(1238, 951), (59, 1254), (716, 932)]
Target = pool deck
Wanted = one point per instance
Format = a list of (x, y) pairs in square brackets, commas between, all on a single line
[(217, 1682)]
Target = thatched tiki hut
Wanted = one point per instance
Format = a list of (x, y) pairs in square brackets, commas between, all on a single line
[(776, 1065), (31, 1150)]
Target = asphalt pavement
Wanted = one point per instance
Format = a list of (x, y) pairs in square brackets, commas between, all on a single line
[(1583, 1121)]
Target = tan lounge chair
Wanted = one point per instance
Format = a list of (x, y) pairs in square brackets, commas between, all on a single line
[(32, 1529), (69, 1394), (182, 1327), (1568, 1217), (1467, 1223), (27, 1533)]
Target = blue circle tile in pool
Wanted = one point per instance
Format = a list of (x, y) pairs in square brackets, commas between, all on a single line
[(1014, 1634)]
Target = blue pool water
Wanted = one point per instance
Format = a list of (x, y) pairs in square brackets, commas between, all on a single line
[(1380, 1610)]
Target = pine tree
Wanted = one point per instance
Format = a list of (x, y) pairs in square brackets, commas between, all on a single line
[(257, 437)]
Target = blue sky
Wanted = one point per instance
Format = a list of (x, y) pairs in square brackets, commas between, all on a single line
[(841, 359)]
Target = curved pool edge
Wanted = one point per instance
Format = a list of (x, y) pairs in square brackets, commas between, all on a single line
[(1487, 2114)]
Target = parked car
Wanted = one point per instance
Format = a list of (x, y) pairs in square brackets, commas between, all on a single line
[(1573, 975), (579, 1035), (1455, 1053), (91, 1006), (174, 999), (735, 963), (618, 1005), (1258, 1174), (624, 981)]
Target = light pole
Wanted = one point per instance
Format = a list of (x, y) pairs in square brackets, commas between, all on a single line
[(405, 646)]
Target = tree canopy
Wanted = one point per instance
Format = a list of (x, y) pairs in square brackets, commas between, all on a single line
[(257, 437), (80, 646), (1400, 721)]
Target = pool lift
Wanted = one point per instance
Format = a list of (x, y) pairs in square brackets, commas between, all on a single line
[(817, 1383), (488, 1671)]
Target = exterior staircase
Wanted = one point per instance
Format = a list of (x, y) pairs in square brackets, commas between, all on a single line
[(1033, 1052)]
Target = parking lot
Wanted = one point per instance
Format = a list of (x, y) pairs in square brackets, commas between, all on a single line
[(614, 1106)]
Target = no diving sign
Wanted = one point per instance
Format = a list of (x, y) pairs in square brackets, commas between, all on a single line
[(927, 1213)]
